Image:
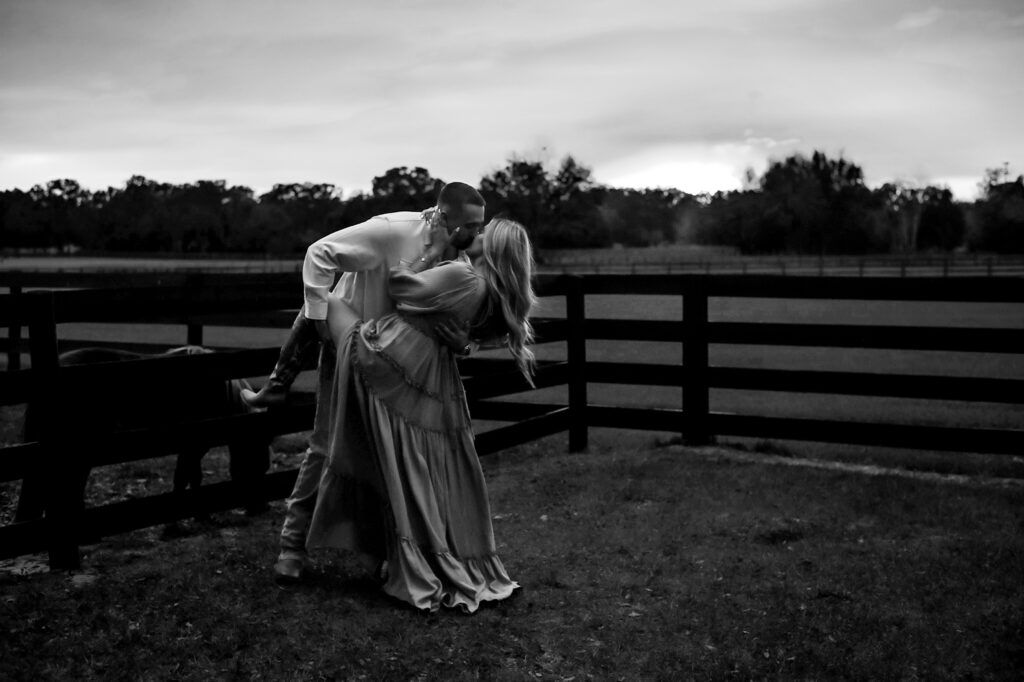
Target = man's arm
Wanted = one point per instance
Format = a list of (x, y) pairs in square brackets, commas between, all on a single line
[(352, 249)]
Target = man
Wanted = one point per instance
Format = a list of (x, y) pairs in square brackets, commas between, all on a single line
[(364, 254)]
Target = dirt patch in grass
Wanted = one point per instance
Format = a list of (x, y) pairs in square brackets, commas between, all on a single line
[(637, 562)]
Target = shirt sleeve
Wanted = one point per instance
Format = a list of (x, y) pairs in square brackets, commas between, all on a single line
[(439, 289), (352, 249)]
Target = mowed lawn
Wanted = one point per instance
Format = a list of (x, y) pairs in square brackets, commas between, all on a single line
[(637, 562)]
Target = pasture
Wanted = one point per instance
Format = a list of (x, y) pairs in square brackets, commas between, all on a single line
[(638, 562)]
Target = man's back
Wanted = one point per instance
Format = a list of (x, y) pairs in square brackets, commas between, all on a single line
[(365, 254)]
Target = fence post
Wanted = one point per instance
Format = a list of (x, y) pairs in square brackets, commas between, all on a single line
[(696, 391), (57, 469), (194, 335), (575, 316), (194, 330), (14, 332)]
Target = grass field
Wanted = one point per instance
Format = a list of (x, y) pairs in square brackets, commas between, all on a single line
[(637, 563)]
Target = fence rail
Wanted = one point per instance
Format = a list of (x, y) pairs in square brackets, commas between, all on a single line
[(246, 300), (675, 261)]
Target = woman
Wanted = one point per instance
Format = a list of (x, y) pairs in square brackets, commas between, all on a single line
[(403, 482)]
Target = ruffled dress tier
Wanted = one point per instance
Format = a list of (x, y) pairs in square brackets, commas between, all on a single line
[(403, 480)]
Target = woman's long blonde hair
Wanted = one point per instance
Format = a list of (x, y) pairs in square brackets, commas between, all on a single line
[(508, 271)]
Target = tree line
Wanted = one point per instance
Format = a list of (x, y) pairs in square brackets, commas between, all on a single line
[(816, 205)]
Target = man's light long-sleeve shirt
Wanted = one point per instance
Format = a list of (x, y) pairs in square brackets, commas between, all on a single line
[(364, 254)]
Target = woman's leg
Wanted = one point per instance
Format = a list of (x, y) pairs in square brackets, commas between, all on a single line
[(341, 318)]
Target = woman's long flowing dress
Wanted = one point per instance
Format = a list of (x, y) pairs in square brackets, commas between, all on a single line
[(403, 481)]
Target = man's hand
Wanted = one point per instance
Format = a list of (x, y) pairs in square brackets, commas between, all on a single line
[(453, 334), (439, 236)]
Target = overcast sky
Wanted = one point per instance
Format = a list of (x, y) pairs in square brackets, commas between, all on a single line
[(644, 92)]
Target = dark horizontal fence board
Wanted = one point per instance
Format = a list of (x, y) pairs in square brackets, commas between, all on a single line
[(523, 432), (129, 446), (639, 418), (475, 365), (138, 304), (964, 289), (121, 517), (551, 285), (281, 319), (179, 370), (67, 345), (635, 373), (491, 385), (482, 366), (836, 336), (635, 284), (113, 279), (549, 329), (867, 336), (17, 460), (508, 411), (968, 389)]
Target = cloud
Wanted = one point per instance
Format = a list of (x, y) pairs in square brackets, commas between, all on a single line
[(338, 92), (918, 20)]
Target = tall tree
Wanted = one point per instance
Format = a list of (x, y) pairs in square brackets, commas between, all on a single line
[(406, 190), (942, 223), (559, 208), (999, 213)]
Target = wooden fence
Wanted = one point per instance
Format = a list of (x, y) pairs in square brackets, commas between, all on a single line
[(269, 301)]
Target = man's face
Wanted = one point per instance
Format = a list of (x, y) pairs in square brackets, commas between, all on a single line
[(464, 223), (476, 248)]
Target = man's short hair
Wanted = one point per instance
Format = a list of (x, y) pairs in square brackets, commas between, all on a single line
[(460, 194)]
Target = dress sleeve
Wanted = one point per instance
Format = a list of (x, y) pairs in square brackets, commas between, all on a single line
[(352, 249), (440, 289)]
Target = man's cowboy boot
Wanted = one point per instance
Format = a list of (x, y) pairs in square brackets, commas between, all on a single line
[(288, 571), (302, 344)]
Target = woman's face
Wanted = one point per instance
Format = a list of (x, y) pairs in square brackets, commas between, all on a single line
[(476, 247)]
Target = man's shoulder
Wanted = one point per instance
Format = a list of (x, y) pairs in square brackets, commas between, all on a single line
[(401, 217), (408, 223)]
